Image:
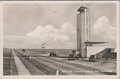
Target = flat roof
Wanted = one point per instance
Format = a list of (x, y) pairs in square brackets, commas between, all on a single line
[(92, 42)]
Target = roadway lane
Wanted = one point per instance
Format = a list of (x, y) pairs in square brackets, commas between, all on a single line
[(66, 67), (78, 68), (22, 70), (30, 66)]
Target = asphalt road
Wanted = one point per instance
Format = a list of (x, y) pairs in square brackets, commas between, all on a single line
[(33, 70), (20, 66), (43, 64), (67, 67)]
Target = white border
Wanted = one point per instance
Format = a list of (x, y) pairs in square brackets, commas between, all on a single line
[(37, 2), (66, 76), (118, 38), (1, 39)]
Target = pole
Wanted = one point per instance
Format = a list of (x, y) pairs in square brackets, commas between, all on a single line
[(57, 72)]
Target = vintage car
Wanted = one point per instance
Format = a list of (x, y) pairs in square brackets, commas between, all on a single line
[(25, 54), (74, 55), (54, 54), (93, 58)]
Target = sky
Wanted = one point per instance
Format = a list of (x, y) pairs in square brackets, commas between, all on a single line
[(31, 25)]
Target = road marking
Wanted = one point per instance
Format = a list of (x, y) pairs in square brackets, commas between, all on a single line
[(22, 70)]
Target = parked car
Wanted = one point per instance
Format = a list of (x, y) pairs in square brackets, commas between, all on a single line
[(92, 58), (74, 55), (25, 54), (54, 54)]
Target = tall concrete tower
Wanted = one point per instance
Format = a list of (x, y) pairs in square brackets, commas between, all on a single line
[(82, 30)]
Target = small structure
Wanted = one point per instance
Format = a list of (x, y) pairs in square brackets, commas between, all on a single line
[(108, 53)]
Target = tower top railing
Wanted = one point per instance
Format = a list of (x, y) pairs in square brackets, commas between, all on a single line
[(82, 9)]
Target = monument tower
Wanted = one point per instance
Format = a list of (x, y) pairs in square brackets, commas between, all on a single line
[(82, 30)]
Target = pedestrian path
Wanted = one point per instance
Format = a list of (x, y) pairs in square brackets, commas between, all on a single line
[(22, 70)]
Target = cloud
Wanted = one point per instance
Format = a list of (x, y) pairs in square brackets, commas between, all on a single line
[(53, 37), (68, 29), (63, 37), (104, 31), (48, 33)]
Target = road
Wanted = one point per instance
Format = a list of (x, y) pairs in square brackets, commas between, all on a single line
[(46, 65), (22, 70), (67, 67)]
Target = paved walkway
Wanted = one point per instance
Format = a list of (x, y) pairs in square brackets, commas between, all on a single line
[(22, 70)]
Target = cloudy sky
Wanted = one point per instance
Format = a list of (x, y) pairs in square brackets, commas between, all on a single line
[(30, 25)]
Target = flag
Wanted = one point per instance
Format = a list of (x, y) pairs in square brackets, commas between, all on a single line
[(43, 45)]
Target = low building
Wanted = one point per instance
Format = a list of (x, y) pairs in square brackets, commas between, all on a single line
[(107, 53)]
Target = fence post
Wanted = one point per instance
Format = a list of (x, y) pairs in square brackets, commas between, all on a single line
[(57, 72)]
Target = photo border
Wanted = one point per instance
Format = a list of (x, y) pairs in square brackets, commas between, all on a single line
[(58, 76)]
